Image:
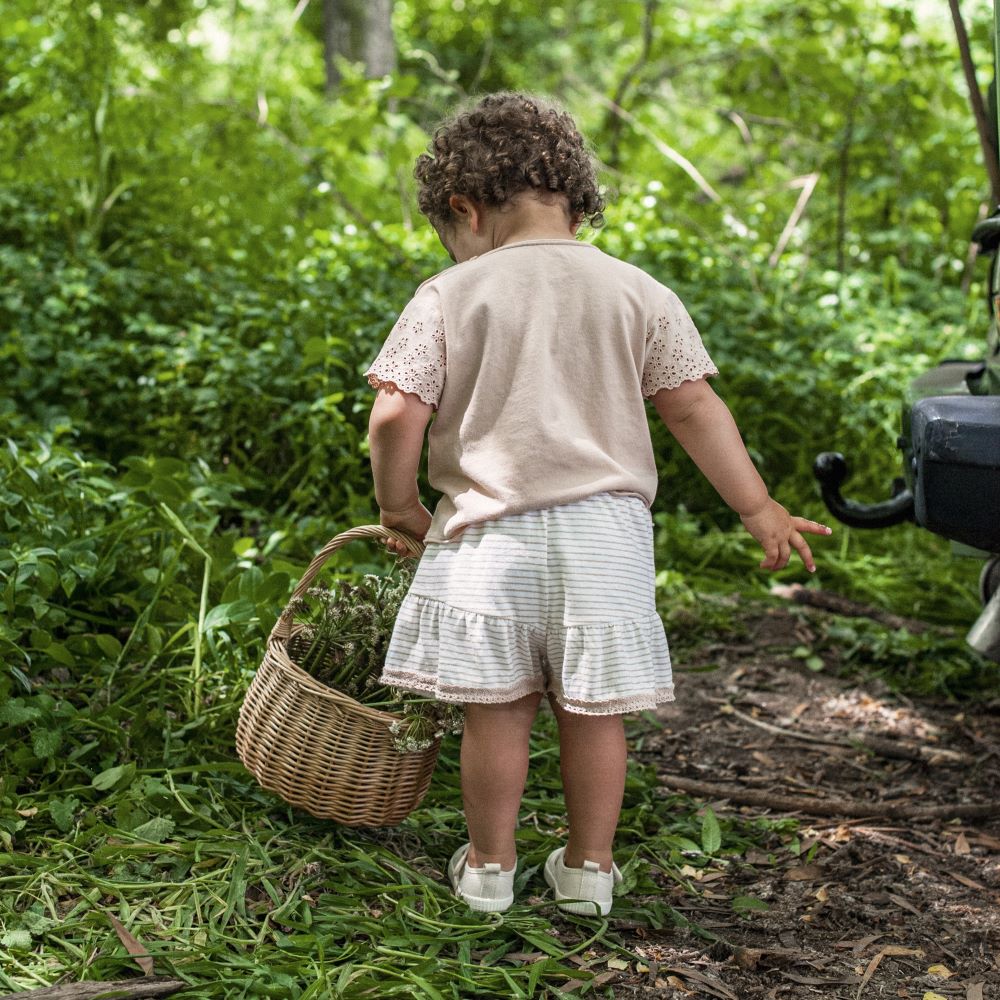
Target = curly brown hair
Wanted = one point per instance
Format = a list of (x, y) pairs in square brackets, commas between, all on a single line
[(504, 144)]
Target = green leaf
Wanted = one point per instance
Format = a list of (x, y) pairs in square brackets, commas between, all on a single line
[(16, 713), (114, 777), (58, 652), (108, 645), (274, 588), (232, 613), (249, 582), (38, 923), (62, 812), (40, 639), (711, 835), (19, 939), (155, 830), (744, 904), (314, 350), (544, 943), (243, 545), (45, 742)]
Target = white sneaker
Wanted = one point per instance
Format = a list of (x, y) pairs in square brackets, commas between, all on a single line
[(486, 889), (589, 887)]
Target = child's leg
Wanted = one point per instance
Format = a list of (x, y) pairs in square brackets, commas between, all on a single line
[(494, 767), (592, 756)]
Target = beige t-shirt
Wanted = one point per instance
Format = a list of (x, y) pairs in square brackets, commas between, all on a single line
[(537, 357)]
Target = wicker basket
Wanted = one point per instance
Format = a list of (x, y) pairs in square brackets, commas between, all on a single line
[(321, 750)]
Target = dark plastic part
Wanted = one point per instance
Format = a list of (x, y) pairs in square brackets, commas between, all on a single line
[(949, 378), (830, 468), (956, 464), (989, 579), (987, 234)]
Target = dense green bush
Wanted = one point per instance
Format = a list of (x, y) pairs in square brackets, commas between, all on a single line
[(89, 565), (262, 378)]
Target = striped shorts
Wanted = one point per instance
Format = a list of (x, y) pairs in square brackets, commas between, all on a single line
[(559, 600)]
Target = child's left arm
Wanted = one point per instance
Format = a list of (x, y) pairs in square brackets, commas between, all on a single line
[(396, 438), (704, 427)]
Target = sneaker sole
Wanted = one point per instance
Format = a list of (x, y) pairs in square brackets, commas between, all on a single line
[(481, 905)]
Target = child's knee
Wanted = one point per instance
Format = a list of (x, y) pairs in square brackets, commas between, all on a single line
[(522, 711)]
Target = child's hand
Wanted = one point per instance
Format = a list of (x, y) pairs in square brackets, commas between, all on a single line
[(415, 520), (779, 533)]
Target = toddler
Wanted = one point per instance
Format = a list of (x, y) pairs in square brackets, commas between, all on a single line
[(535, 354)]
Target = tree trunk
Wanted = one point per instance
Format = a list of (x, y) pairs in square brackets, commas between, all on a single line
[(361, 31), (976, 100)]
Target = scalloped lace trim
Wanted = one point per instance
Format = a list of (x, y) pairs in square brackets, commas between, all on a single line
[(497, 696), (675, 354), (409, 385), (413, 357), (444, 692)]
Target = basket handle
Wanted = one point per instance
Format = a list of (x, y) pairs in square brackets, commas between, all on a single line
[(283, 626)]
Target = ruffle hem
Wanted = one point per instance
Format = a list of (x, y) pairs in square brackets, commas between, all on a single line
[(464, 656)]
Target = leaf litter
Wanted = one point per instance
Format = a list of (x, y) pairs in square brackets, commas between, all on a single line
[(862, 907)]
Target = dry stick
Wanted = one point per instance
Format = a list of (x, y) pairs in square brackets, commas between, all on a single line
[(839, 605), (808, 185), (262, 105), (877, 744), (829, 807), (740, 124), (976, 100), (727, 709), (968, 269), (124, 988), (661, 147)]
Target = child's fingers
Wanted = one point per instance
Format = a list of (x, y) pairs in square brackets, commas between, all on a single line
[(770, 554), (813, 527), (398, 549), (776, 555), (801, 546)]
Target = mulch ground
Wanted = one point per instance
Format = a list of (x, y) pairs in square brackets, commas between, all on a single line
[(902, 902)]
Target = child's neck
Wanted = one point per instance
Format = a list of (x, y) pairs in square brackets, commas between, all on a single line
[(531, 219)]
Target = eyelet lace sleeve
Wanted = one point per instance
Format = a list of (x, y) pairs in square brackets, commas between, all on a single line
[(412, 359), (674, 350)]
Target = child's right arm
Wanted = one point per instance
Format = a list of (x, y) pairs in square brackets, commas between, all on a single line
[(705, 428)]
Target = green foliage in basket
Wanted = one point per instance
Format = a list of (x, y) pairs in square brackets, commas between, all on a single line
[(342, 643)]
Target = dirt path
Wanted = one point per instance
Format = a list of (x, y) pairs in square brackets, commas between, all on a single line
[(872, 907)]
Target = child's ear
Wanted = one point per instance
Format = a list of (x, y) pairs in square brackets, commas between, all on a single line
[(468, 212)]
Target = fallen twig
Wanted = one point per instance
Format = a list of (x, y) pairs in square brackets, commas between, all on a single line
[(727, 709), (829, 807), (877, 744), (126, 989), (843, 606)]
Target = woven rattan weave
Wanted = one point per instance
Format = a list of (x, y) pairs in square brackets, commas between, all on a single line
[(317, 748)]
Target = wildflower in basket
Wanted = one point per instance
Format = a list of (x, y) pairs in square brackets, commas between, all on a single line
[(535, 354), (342, 643)]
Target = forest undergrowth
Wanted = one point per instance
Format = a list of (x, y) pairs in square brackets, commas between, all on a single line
[(202, 248)]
